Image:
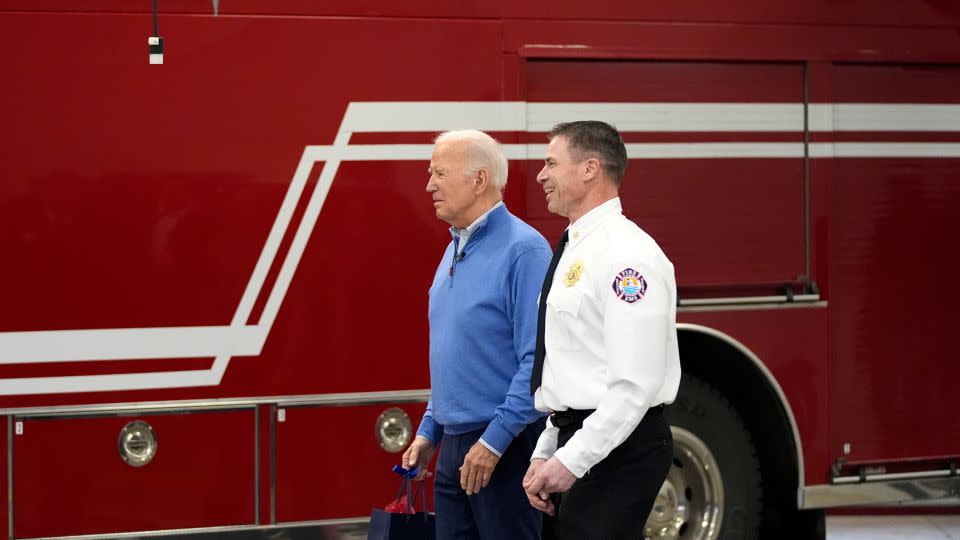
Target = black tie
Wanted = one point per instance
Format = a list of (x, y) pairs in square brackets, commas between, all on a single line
[(536, 376)]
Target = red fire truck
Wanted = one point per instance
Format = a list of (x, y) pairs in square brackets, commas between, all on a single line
[(214, 272)]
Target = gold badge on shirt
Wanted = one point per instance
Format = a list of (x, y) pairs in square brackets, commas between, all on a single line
[(573, 274)]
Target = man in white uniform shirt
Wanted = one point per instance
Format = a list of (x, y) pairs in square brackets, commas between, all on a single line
[(607, 358)]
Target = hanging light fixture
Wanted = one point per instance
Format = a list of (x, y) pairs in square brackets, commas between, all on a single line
[(155, 42)]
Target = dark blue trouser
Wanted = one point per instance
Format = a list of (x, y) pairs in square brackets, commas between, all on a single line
[(501, 510)]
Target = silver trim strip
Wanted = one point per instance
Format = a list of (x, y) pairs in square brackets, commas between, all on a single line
[(360, 398), (753, 307), (943, 490), (766, 373), (352, 398), (949, 502), (124, 408), (327, 522), (142, 411), (273, 464), (10, 421), (332, 525), (256, 465), (892, 476), (737, 300), (806, 169)]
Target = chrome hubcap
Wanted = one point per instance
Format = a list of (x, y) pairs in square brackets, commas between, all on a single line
[(690, 503)]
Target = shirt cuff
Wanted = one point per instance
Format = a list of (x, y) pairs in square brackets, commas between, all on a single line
[(567, 456), (490, 448), (547, 443)]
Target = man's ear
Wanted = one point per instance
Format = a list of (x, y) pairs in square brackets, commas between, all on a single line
[(481, 181), (591, 168)]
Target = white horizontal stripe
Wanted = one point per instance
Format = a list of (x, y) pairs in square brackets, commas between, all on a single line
[(392, 117), (884, 149), (714, 150), (421, 152), (884, 117), (105, 383), (820, 116), (672, 117), (389, 152), (130, 343), (370, 152), (396, 117)]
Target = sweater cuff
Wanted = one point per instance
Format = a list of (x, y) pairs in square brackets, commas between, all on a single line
[(486, 445), (497, 436), (430, 429)]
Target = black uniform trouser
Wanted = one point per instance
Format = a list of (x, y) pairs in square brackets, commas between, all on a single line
[(612, 501)]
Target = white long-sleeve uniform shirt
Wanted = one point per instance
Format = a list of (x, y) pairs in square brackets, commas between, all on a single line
[(611, 335)]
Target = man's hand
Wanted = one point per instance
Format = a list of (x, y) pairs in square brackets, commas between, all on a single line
[(477, 468), (543, 504), (545, 478), (419, 454)]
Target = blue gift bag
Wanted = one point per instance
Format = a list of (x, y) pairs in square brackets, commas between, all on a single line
[(406, 525)]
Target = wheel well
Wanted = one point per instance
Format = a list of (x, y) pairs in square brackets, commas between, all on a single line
[(728, 367)]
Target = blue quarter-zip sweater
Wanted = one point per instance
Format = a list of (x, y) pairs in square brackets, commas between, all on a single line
[(483, 331)]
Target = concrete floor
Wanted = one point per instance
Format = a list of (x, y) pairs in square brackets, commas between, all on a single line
[(919, 527), (935, 527)]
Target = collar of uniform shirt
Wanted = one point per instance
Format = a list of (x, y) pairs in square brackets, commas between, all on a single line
[(588, 222), (468, 231)]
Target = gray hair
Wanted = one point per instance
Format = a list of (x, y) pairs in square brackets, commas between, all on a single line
[(483, 152)]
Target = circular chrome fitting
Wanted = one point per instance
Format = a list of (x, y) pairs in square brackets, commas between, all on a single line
[(393, 429), (138, 443)]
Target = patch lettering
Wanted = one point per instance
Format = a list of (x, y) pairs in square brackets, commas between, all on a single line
[(629, 286)]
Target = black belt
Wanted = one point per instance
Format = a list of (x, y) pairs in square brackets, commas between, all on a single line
[(569, 417)]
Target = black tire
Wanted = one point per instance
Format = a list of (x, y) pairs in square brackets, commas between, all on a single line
[(806, 525), (703, 411)]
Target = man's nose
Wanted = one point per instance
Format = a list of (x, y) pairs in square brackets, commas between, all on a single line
[(431, 186), (541, 177)]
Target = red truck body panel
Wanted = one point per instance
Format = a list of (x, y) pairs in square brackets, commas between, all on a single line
[(160, 254)]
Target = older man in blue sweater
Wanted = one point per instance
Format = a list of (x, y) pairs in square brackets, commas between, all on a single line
[(483, 323)]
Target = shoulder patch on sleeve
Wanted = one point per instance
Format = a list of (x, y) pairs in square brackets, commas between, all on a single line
[(629, 285)]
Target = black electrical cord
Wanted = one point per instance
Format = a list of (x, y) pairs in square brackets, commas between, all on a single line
[(156, 28)]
